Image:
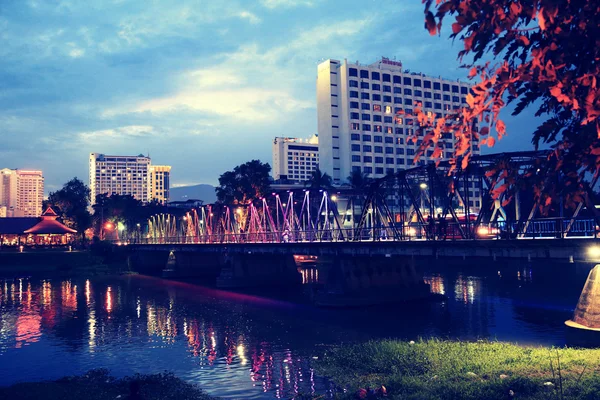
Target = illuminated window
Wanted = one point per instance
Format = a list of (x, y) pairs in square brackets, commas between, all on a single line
[(388, 109)]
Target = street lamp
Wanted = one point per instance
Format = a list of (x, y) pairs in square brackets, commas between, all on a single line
[(334, 198)]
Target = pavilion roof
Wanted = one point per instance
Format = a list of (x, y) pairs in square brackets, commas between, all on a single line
[(44, 225)]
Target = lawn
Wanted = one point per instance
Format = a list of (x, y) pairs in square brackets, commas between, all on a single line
[(444, 370)]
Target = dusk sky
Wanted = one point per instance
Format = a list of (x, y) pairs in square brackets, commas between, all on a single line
[(200, 85)]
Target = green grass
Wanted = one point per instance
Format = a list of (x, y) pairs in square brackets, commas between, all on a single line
[(99, 385), (445, 370)]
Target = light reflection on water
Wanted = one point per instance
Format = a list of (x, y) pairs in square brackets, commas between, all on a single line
[(243, 346)]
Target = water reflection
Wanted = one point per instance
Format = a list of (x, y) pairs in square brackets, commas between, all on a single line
[(242, 346)]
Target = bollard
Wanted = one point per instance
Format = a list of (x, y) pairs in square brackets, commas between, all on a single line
[(571, 261)]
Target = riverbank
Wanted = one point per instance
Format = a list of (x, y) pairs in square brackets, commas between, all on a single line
[(443, 370), (99, 385), (50, 263)]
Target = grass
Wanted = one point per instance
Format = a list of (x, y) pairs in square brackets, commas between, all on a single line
[(450, 370), (99, 385)]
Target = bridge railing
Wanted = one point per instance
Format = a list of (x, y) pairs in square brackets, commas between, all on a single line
[(547, 228)]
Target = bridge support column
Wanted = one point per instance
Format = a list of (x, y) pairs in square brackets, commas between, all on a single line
[(148, 262), (364, 280), (182, 264), (252, 270)]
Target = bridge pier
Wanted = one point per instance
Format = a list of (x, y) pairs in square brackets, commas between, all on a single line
[(252, 270), (369, 280)]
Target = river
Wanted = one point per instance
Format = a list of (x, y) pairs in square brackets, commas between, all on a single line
[(259, 345)]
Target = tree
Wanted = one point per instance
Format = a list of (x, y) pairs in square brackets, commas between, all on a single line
[(319, 180), (246, 183), (71, 204), (546, 55), (358, 180)]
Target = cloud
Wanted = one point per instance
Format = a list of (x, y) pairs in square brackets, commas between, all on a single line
[(287, 3), (252, 18), (131, 131)]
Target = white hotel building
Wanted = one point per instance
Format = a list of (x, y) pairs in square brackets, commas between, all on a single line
[(295, 159), (21, 193), (122, 175), (358, 125)]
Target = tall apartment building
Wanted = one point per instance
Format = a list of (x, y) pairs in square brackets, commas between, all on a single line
[(128, 175), (159, 183), (122, 175), (21, 193), (295, 159), (359, 125)]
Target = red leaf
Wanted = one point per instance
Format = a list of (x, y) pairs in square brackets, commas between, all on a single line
[(430, 23), (473, 72), (491, 141), (501, 128), (456, 27)]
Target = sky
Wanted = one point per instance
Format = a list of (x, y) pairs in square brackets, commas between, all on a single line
[(199, 85)]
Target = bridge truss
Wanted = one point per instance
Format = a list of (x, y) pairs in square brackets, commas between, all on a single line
[(428, 202)]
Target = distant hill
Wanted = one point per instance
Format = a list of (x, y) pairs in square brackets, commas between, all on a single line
[(196, 192)]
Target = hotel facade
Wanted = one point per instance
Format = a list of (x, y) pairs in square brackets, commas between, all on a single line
[(128, 175), (360, 126), (295, 159), (21, 193)]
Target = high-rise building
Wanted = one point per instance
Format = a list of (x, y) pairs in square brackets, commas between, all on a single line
[(159, 183), (21, 193), (129, 175), (295, 159), (365, 116), (122, 175)]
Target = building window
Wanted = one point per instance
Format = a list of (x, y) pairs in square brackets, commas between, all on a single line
[(399, 131), (355, 147), (364, 96), (364, 74), (353, 83), (397, 79), (389, 139), (355, 168), (398, 100), (366, 138), (377, 107), (354, 115), (407, 92), (355, 158), (378, 139), (454, 88), (387, 88), (377, 118), (364, 85), (408, 102), (455, 99), (387, 99), (389, 160), (376, 86), (366, 148), (388, 129), (389, 150), (353, 94), (354, 136), (378, 160), (376, 97), (387, 120), (400, 151), (375, 76), (355, 126), (446, 97), (386, 77), (463, 90), (427, 95), (418, 93), (366, 117), (365, 106), (417, 82), (379, 170), (407, 81), (377, 128), (437, 96), (366, 128), (354, 104), (368, 170), (388, 109), (427, 84), (428, 104), (410, 152), (397, 90), (368, 159), (400, 161), (379, 149), (352, 72), (437, 106), (445, 87), (436, 86)]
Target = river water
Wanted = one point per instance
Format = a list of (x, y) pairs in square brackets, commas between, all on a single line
[(259, 345)]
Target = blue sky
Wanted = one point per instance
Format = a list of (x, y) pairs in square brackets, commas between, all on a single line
[(200, 85)]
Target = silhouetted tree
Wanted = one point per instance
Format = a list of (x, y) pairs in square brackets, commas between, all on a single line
[(544, 54), (319, 180), (246, 183), (71, 204)]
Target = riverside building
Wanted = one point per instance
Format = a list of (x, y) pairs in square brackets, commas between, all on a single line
[(129, 175), (359, 126), (21, 192), (295, 159)]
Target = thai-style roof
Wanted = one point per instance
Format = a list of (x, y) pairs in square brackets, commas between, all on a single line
[(44, 225)]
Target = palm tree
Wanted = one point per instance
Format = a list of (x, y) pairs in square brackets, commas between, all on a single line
[(319, 180), (358, 180)]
